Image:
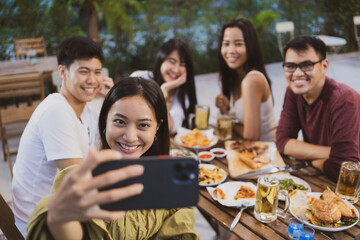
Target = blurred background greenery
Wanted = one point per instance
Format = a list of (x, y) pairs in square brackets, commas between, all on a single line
[(131, 31)]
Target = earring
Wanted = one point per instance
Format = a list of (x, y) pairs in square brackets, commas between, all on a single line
[(155, 138), (104, 131)]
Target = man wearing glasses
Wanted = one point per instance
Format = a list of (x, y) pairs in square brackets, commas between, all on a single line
[(327, 112)]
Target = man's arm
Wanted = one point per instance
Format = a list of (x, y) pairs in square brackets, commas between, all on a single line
[(289, 123), (306, 151)]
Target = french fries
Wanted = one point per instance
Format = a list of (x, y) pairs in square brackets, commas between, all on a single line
[(195, 138)]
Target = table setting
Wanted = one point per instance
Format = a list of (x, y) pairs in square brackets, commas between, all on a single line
[(272, 215)]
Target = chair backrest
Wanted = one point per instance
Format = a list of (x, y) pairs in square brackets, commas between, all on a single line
[(22, 46), (8, 117), (56, 79), (7, 221), (356, 24), (22, 85), (284, 27)]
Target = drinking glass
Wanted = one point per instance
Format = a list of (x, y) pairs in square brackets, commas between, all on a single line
[(266, 206), (348, 182), (202, 113), (307, 233), (224, 125), (295, 228)]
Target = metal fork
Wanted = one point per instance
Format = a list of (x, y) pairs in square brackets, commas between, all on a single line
[(196, 148), (237, 218)]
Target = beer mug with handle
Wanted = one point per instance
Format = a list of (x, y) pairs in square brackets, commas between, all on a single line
[(266, 206), (347, 186)]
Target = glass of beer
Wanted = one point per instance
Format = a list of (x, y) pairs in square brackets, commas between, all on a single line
[(224, 125), (202, 113), (348, 182), (266, 206)]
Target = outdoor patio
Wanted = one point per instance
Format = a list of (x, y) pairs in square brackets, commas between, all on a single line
[(344, 68)]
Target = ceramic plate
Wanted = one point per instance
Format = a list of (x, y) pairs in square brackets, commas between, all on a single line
[(296, 180), (341, 228), (230, 189), (182, 153), (211, 166), (206, 133)]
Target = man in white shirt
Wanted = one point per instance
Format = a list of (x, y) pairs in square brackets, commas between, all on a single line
[(61, 128)]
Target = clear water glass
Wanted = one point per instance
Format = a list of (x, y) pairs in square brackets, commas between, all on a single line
[(295, 228), (307, 233)]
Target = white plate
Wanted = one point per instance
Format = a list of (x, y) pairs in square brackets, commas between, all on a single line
[(230, 189), (206, 133), (296, 180), (341, 228), (211, 166), (182, 153)]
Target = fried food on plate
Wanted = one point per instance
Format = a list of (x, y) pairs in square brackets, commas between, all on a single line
[(210, 176), (333, 198), (324, 212), (195, 138), (330, 211), (219, 193), (244, 192)]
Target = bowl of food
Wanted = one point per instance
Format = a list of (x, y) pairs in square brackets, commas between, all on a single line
[(206, 156), (219, 152)]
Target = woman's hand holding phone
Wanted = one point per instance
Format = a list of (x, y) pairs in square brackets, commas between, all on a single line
[(78, 199)]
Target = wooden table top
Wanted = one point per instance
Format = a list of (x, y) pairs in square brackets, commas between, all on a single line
[(43, 64), (250, 228)]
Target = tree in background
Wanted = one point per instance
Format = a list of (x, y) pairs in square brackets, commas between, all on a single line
[(132, 31)]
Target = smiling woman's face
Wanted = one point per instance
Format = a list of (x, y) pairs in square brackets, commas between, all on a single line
[(172, 67), (131, 126)]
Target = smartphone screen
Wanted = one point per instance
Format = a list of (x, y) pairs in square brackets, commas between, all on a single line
[(168, 183)]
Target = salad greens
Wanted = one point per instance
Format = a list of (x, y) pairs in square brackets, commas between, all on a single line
[(290, 185)]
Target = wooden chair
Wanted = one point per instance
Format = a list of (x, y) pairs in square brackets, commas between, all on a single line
[(283, 28), (19, 86), (8, 119), (7, 222), (356, 20), (22, 46)]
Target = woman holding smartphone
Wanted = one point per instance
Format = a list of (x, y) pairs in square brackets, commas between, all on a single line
[(246, 87), (133, 122), (174, 73)]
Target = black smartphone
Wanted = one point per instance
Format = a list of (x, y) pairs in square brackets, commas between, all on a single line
[(168, 183)]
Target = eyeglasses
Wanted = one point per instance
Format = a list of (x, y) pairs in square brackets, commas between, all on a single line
[(306, 66)]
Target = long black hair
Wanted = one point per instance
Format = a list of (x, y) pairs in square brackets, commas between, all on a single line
[(188, 88), (151, 92), (228, 76)]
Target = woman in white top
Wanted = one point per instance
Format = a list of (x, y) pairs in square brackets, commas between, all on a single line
[(246, 88), (173, 71)]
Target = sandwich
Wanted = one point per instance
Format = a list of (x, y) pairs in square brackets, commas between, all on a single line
[(330, 211)]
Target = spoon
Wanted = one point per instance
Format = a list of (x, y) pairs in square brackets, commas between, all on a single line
[(244, 205)]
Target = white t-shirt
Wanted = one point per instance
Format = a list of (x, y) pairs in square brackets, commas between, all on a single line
[(53, 132), (176, 110), (268, 121)]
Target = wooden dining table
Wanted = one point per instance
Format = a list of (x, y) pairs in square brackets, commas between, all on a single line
[(249, 227), (43, 64)]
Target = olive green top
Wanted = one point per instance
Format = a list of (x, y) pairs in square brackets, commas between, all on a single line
[(137, 224)]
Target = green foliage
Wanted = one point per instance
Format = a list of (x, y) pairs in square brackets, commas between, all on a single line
[(131, 31)]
